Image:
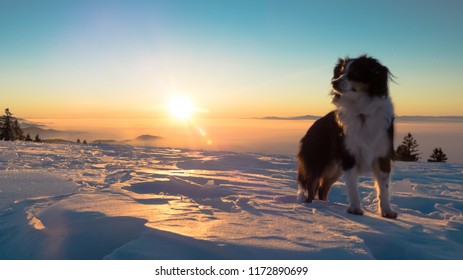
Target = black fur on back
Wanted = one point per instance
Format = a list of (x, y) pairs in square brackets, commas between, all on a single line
[(321, 145)]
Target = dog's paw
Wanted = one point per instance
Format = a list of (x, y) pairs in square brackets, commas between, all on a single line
[(389, 214), (301, 198), (355, 211)]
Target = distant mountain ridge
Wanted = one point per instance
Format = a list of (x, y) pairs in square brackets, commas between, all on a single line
[(431, 118), (147, 137), (143, 140), (305, 117), (398, 118), (50, 133), (53, 135)]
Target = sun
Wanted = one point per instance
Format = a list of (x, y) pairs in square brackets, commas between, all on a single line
[(181, 107)]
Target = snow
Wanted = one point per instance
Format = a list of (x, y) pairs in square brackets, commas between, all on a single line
[(71, 201)]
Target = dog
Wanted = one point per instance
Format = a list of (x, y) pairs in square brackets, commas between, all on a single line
[(354, 139)]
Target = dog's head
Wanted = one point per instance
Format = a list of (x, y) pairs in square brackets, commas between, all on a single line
[(355, 78)]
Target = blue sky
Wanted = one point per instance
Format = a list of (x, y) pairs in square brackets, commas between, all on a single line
[(233, 58)]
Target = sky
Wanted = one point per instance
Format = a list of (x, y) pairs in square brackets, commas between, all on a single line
[(233, 59)]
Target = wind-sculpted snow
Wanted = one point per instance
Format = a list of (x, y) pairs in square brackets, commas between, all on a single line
[(70, 201)]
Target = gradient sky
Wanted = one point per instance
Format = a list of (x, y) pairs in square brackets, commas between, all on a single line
[(77, 59)]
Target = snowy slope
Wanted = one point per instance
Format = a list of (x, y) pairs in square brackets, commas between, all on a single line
[(69, 201)]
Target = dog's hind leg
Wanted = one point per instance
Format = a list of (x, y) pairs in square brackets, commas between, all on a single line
[(312, 185), (330, 176), (325, 187), (302, 192), (307, 189)]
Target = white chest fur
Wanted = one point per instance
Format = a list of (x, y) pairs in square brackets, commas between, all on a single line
[(365, 126)]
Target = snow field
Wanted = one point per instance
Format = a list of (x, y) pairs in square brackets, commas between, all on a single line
[(70, 201)]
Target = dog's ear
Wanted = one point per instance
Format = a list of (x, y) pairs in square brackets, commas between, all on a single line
[(338, 68), (379, 82)]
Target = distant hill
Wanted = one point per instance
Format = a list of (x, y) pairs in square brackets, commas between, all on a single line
[(104, 142), (143, 140), (57, 136), (147, 137), (430, 118), (34, 130), (25, 123), (52, 133), (306, 117), (398, 118), (56, 141)]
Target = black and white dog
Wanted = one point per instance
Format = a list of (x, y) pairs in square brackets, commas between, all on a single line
[(354, 139)]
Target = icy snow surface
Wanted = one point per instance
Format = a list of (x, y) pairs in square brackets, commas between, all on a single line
[(70, 201)]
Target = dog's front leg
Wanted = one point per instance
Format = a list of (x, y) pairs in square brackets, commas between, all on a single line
[(351, 177), (382, 183)]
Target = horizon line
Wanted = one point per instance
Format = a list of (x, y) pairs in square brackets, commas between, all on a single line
[(402, 118)]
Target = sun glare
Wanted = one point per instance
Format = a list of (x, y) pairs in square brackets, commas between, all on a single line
[(180, 107)]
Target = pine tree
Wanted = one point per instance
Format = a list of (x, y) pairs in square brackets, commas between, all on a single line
[(9, 127), (28, 137), (78, 141), (6, 132), (19, 134), (408, 150), (437, 156), (37, 138)]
